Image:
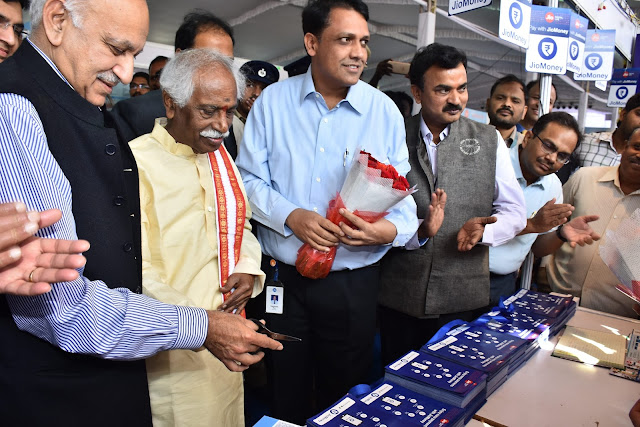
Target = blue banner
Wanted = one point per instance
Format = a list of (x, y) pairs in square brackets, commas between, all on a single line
[(623, 86), (598, 55), (548, 40)]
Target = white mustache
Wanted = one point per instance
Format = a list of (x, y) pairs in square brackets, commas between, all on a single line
[(109, 77), (214, 134)]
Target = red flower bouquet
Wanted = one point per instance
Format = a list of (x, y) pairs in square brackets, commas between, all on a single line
[(371, 188)]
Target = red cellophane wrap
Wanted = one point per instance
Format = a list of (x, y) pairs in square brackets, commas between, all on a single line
[(619, 250), (371, 188)]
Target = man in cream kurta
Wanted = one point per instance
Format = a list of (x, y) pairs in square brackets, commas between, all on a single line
[(180, 219)]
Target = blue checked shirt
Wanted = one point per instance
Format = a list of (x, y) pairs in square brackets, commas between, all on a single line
[(82, 316)]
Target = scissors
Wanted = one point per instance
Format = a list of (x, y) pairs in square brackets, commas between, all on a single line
[(273, 335)]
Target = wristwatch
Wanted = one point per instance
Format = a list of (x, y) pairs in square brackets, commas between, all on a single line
[(559, 234)]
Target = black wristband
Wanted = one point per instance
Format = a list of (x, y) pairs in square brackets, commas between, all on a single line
[(559, 234)]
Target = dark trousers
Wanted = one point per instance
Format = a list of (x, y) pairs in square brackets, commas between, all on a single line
[(401, 333), (335, 317), (502, 285)]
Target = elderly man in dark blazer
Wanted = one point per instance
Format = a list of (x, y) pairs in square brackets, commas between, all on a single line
[(58, 152)]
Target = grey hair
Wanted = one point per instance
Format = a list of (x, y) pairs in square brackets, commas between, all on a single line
[(633, 132), (177, 75), (74, 7)]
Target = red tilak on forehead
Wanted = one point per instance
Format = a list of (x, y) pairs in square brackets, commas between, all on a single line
[(224, 109)]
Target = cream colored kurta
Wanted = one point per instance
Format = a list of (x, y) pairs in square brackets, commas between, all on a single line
[(180, 266), (580, 271)]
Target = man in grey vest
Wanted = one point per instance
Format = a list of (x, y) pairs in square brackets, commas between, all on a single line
[(448, 277)]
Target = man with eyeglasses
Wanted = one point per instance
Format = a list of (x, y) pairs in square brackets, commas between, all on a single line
[(545, 149), (11, 26), (139, 84)]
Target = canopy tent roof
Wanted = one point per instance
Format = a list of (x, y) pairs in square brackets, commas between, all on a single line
[(272, 31)]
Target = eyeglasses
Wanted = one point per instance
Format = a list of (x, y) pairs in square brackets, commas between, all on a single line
[(550, 148), (18, 29), (138, 86)]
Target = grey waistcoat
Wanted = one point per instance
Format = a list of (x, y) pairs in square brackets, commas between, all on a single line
[(437, 279)]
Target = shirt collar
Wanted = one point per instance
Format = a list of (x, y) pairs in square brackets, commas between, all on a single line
[(611, 175), (160, 134), (515, 162), (427, 136), (50, 62), (354, 95), (513, 137), (239, 116), (605, 137)]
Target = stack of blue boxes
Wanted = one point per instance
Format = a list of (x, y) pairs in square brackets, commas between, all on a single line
[(449, 379)]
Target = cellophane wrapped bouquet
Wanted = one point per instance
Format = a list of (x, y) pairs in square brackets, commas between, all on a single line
[(370, 190), (621, 253)]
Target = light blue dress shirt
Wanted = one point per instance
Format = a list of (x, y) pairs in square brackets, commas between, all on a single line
[(507, 258), (296, 153), (81, 316)]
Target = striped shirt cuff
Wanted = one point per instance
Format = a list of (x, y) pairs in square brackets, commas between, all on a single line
[(192, 323)]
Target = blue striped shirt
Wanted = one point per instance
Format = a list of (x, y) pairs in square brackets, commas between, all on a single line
[(81, 316)]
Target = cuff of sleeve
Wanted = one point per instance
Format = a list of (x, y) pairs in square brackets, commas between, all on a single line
[(403, 238), (487, 236), (247, 266), (415, 242), (279, 215), (192, 328), (258, 286), (405, 220)]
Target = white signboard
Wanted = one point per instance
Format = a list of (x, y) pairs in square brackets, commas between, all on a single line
[(459, 6), (577, 38), (623, 86), (548, 40), (515, 19), (598, 55)]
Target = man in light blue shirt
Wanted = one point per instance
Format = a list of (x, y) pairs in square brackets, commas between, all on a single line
[(299, 142), (544, 150)]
